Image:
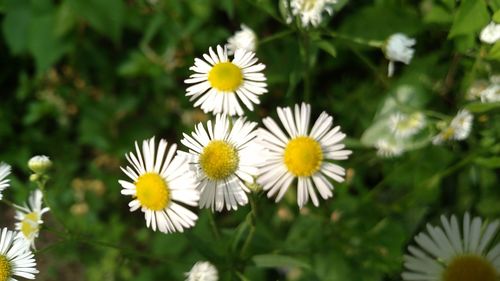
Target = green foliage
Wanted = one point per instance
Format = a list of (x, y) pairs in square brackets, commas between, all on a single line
[(84, 79)]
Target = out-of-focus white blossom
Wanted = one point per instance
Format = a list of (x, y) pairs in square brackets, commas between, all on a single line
[(490, 33), (398, 48), (245, 39)]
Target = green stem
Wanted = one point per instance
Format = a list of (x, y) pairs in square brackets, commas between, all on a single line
[(357, 40), (8, 203), (251, 217), (306, 57), (213, 225), (275, 36)]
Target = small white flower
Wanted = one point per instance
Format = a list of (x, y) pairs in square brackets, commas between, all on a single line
[(491, 93), (39, 164), (445, 253), (219, 82), (308, 155), (4, 172), (490, 33), (404, 126), (476, 89), (202, 271), (244, 39), (458, 129), (224, 157), (388, 148), (399, 48), (16, 259), (311, 11), (30, 217), (161, 185)]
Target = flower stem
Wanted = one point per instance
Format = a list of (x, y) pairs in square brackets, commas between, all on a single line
[(251, 217)]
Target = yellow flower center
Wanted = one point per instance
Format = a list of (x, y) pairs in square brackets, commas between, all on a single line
[(469, 268), (225, 76), (303, 156), (152, 191), (5, 268), (219, 160), (29, 225), (308, 5)]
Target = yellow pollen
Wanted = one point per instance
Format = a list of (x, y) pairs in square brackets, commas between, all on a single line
[(303, 156), (470, 268), (152, 191), (225, 76), (219, 160), (29, 225), (5, 268)]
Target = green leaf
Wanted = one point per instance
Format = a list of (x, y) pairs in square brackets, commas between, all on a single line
[(327, 46), (104, 16), (272, 261), (495, 51), (472, 16), (496, 16), (16, 25), (480, 107)]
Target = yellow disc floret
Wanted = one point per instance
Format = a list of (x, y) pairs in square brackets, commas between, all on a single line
[(5, 268), (303, 156), (152, 191), (219, 160), (225, 76), (29, 225), (469, 268)]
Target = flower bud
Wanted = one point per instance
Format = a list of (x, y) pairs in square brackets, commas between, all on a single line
[(39, 164)]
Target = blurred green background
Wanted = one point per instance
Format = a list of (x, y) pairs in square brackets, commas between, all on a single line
[(83, 79)]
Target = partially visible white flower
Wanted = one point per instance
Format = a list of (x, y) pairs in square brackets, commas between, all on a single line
[(245, 39), (388, 148), (490, 33), (311, 11), (476, 89), (30, 217), (16, 259), (404, 126), (39, 164), (202, 271), (4, 172), (491, 93), (399, 48), (458, 129)]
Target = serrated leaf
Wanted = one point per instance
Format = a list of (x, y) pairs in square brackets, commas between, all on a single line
[(273, 261), (327, 46), (472, 16)]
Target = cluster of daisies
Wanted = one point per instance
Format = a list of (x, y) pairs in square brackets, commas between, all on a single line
[(16, 256)]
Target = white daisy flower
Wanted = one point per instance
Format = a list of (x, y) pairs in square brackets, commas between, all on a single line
[(388, 148), (244, 39), (447, 254), (404, 126), (202, 271), (39, 164), (224, 158), (302, 154), (491, 93), (4, 172), (30, 217), (15, 257), (458, 129), (219, 83), (160, 184), (398, 48), (490, 33), (311, 11)]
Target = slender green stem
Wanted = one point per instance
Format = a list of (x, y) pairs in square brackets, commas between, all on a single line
[(357, 40), (251, 217), (306, 62), (213, 225), (275, 36), (8, 203)]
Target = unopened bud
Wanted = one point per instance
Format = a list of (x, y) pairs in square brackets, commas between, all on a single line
[(39, 164)]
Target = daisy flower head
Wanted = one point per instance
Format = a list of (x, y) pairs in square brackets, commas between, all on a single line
[(219, 84), (245, 39), (387, 148), (4, 172), (445, 253), (310, 12), (160, 186), (404, 126), (490, 94), (202, 271), (15, 257), (302, 154), (398, 47), (30, 217), (39, 164), (458, 129), (224, 158), (490, 33)]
